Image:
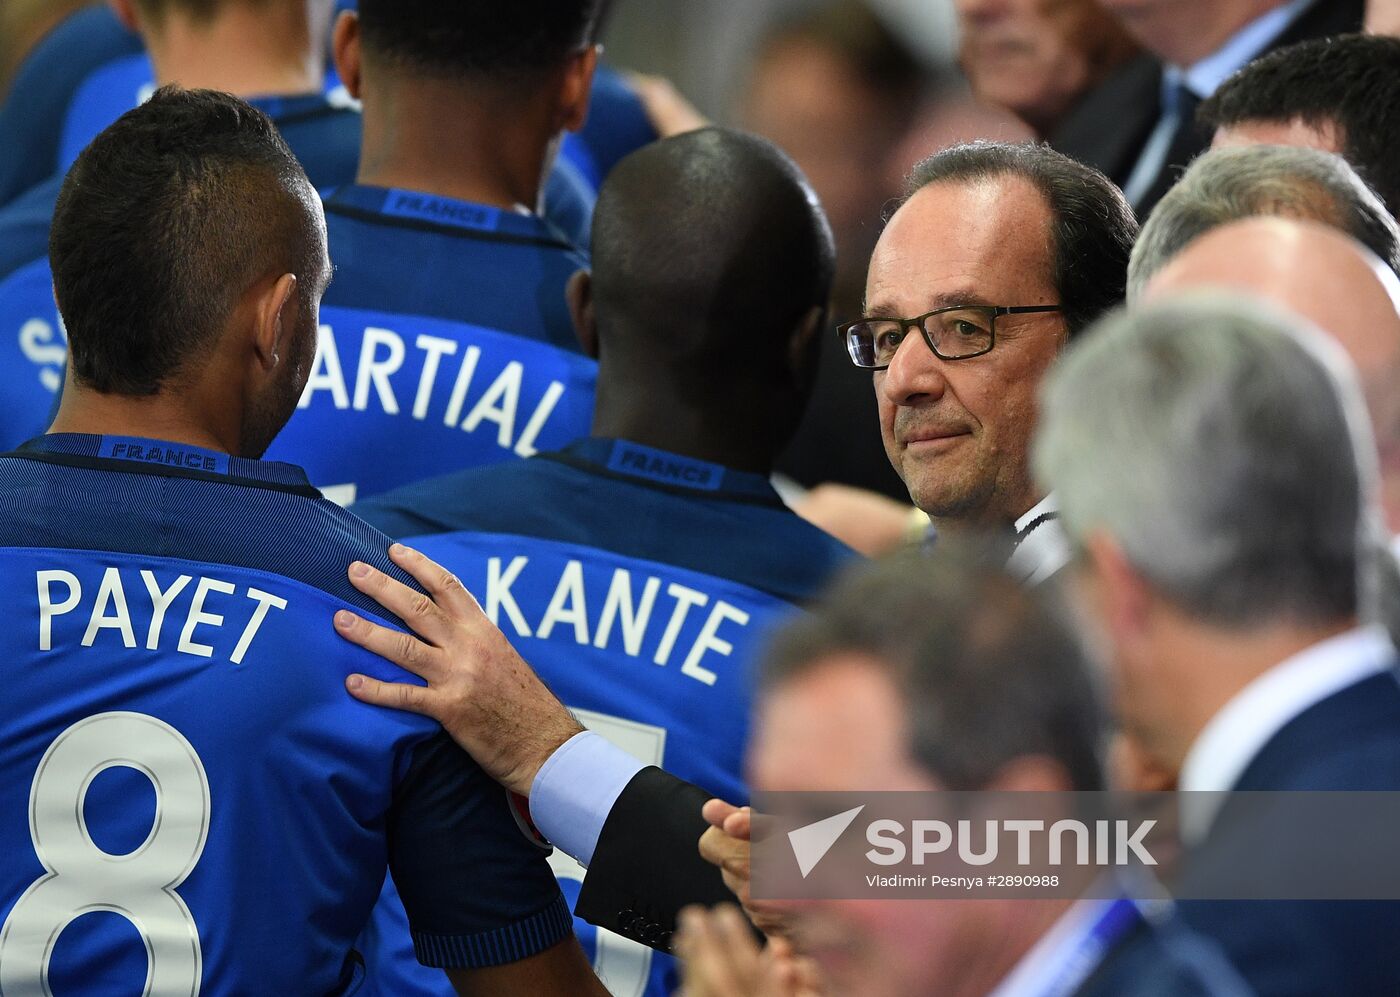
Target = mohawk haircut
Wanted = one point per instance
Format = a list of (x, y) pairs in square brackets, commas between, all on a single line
[(162, 224)]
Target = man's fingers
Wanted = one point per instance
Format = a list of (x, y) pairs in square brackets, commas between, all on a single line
[(716, 811), (739, 824), (730, 854), (710, 967), (446, 588), (413, 607), (395, 695), (712, 846), (404, 650), (733, 928)]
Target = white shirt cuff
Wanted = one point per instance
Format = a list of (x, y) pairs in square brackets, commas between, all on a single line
[(575, 789)]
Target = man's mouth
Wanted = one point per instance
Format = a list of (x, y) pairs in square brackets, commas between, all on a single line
[(935, 438)]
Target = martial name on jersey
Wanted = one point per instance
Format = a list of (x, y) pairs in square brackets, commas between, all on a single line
[(435, 377)]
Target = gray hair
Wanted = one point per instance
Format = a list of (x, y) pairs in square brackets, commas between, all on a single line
[(1226, 185), (988, 670), (1225, 448)]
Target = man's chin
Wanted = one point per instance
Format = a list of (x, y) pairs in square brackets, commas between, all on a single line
[(942, 502)]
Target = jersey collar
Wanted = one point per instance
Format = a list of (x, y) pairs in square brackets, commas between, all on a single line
[(143, 455), (666, 470), (414, 208)]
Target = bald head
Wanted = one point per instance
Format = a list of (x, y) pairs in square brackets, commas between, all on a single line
[(710, 252), (1324, 276)]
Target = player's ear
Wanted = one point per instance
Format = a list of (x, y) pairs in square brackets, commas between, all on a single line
[(579, 293), (125, 10), (577, 88), (275, 318), (345, 47)]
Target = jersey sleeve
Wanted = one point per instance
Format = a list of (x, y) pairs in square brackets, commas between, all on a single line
[(477, 888)]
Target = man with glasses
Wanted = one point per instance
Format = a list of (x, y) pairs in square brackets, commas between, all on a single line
[(987, 228), (998, 255), (640, 568)]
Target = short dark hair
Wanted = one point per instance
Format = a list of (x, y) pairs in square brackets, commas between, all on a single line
[(989, 670), (480, 38), (1350, 81), (709, 249), (1092, 225), (164, 221)]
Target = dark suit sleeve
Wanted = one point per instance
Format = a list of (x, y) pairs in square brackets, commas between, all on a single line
[(647, 864)]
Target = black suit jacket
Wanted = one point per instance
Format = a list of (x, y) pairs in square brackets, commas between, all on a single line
[(1109, 127), (1350, 741), (647, 863)]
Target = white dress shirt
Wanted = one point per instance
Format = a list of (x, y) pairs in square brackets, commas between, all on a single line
[(1041, 545), (1075, 946), (1054, 953), (1243, 726), (574, 791)]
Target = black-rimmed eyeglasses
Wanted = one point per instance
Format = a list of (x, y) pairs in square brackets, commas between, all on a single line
[(957, 332)]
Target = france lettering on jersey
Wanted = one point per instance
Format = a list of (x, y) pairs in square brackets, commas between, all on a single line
[(641, 585), (445, 343), (43, 89), (181, 770)]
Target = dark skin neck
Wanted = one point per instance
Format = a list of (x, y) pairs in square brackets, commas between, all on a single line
[(438, 137), (736, 434)]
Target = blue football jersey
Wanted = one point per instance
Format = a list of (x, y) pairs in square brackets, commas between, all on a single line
[(186, 789), (445, 343), (34, 349), (39, 98), (641, 585), (323, 132)]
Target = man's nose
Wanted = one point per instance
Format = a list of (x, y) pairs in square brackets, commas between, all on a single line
[(915, 374)]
